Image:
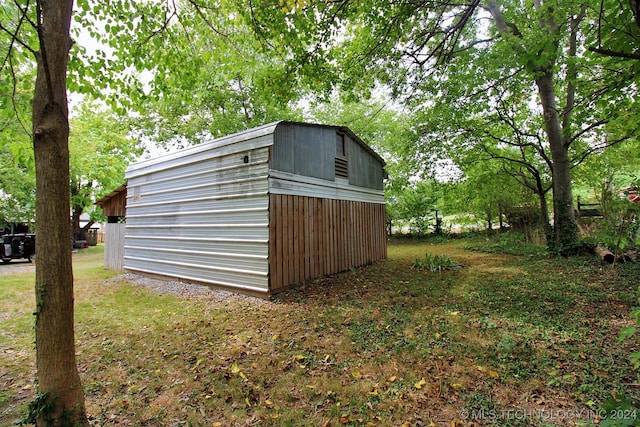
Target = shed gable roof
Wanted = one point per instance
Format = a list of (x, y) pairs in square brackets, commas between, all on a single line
[(189, 153)]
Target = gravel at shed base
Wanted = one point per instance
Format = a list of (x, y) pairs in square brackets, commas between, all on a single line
[(187, 290)]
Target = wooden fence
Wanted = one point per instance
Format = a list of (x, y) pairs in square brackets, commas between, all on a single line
[(114, 246), (311, 237)]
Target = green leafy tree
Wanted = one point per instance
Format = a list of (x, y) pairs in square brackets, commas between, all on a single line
[(17, 180), (474, 57), (191, 70), (17, 184), (100, 151)]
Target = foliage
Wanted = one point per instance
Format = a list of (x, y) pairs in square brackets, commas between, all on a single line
[(18, 186), (414, 204), (435, 263), (620, 228), (17, 181), (40, 407), (100, 150), (192, 71), (511, 243)]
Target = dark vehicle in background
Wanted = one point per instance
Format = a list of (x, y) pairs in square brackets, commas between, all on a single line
[(17, 246)]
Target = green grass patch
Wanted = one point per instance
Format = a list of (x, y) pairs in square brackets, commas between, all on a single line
[(507, 340)]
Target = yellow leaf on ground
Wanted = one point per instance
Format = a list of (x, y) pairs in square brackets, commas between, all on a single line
[(420, 384), (300, 357), (234, 368), (392, 378), (493, 374)]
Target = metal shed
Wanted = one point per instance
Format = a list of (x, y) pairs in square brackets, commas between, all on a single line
[(258, 211)]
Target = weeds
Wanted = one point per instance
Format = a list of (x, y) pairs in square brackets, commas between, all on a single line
[(435, 263)]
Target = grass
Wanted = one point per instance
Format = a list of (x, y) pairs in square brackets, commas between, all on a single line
[(506, 340)]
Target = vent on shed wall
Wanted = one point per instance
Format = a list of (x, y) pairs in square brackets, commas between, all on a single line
[(341, 162), (342, 167)]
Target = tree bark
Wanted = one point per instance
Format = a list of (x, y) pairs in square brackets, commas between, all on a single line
[(565, 238), (57, 373), (565, 228)]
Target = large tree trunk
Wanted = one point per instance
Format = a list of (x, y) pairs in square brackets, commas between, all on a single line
[(58, 378), (565, 228), (565, 237)]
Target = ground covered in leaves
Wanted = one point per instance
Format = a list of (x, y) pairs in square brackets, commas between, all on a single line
[(503, 340)]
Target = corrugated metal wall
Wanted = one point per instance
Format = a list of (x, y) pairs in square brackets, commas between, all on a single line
[(311, 237), (304, 150), (203, 215)]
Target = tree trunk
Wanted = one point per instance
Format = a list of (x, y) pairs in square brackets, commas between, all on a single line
[(58, 378), (565, 235), (544, 208)]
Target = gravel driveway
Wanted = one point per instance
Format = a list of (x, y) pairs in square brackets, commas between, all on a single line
[(17, 267)]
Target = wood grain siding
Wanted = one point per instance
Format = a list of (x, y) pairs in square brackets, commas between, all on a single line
[(114, 247), (311, 237)]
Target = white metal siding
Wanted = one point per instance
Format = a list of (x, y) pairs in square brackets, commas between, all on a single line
[(202, 215), (297, 185)]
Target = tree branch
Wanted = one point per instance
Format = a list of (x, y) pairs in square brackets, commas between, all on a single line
[(613, 53), (43, 53)]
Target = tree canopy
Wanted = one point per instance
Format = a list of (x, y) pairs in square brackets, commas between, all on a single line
[(527, 85)]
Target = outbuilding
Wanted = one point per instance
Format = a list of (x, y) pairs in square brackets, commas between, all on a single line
[(258, 211)]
